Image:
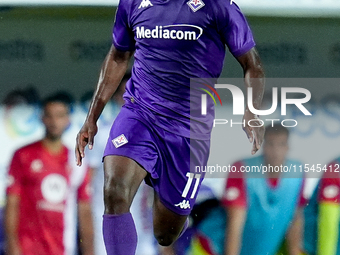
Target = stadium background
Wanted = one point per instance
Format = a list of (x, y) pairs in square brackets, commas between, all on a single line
[(61, 47)]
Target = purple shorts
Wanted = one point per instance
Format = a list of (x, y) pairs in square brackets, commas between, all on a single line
[(169, 159)]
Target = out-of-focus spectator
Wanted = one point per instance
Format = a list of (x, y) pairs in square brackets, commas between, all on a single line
[(322, 215), (44, 187), (12, 99), (264, 209), (260, 209), (22, 96)]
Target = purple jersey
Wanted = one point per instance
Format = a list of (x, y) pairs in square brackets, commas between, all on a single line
[(173, 42)]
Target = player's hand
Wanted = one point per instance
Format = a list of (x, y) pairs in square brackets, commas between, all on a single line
[(85, 137), (254, 134)]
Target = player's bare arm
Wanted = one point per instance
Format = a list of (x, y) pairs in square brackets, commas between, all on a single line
[(254, 77), (295, 233), (11, 225), (236, 217), (111, 73)]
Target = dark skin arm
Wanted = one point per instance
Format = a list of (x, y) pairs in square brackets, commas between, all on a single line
[(111, 73), (254, 77)]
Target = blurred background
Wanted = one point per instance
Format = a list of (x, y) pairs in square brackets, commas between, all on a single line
[(61, 44), (52, 45)]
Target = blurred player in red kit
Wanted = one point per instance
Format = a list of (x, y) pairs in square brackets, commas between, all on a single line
[(322, 215), (43, 191)]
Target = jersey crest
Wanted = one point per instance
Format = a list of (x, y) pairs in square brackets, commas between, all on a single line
[(195, 5), (119, 141)]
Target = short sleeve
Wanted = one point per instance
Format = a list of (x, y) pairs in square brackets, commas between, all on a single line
[(122, 35), (235, 193), (15, 176), (235, 30), (85, 189), (329, 187)]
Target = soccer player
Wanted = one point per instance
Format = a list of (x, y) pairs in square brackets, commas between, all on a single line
[(154, 137), (263, 209), (43, 191), (141, 208), (322, 215)]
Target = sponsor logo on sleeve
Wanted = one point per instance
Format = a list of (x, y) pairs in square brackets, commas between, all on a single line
[(331, 191)]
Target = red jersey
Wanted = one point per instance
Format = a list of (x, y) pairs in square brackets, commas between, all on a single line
[(329, 186), (49, 188)]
